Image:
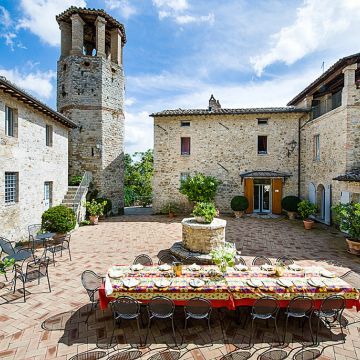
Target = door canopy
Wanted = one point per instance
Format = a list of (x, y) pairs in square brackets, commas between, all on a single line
[(264, 174)]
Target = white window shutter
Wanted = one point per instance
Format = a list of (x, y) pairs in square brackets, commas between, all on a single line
[(328, 204), (345, 197), (312, 193)]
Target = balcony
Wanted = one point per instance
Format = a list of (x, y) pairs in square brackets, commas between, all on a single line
[(321, 107)]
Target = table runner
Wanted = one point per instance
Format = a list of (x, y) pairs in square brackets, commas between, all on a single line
[(231, 290)]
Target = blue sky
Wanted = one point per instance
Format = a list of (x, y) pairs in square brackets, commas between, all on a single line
[(245, 52)]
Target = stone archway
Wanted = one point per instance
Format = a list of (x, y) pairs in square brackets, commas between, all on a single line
[(320, 200)]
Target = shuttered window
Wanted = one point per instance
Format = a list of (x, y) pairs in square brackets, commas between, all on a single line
[(262, 144), (185, 146)]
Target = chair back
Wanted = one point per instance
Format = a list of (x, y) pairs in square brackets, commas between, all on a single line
[(332, 305), (91, 282), (143, 259), (300, 306), (6, 246), (285, 260), (191, 260), (198, 307), (161, 307), (261, 260), (265, 306), (125, 306), (33, 230), (352, 278), (239, 260), (167, 259)]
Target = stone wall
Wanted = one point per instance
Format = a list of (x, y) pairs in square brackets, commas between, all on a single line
[(222, 146), (91, 93), (35, 162)]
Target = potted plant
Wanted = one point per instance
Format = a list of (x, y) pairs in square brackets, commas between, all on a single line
[(58, 219), (306, 209), (347, 216), (290, 205), (238, 205), (108, 206), (204, 212), (224, 256), (5, 264), (95, 209)]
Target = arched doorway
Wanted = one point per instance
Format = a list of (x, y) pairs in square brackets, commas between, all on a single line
[(320, 200)]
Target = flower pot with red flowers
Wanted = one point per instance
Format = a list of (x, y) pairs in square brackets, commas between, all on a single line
[(305, 210)]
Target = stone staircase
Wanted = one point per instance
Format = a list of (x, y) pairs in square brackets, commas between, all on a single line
[(69, 199)]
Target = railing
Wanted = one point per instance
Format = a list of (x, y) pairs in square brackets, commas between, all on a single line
[(327, 105), (84, 185)]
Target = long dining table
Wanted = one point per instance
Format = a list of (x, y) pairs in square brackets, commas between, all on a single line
[(231, 289)]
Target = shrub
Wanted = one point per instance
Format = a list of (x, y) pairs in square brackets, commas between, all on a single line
[(95, 208), (85, 223), (290, 203), (239, 203), (108, 206), (58, 219), (170, 207), (306, 208), (347, 216), (206, 210), (75, 180), (200, 188)]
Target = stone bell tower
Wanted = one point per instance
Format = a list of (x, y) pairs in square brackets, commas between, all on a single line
[(90, 91)]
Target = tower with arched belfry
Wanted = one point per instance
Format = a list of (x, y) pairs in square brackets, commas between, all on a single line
[(90, 92)]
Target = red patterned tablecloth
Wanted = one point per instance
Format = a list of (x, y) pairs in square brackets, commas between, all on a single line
[(229, 291)]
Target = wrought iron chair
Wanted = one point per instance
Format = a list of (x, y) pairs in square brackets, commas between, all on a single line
[(191, 260), (143, 259), (167, 259), (300, 307), (261, 260), (198, 308), (239, 260), (264, 308), (91, 282), (33, 231), (285, 260), (331, 308), (20, 254), (35, 269), (126, 308), (161, 307), (59, 245), (352, 278)]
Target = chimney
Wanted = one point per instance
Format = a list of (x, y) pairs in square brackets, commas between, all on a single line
[(213, 103)]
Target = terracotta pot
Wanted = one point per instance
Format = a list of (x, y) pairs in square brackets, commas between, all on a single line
[(308, 224), (353, 246), (239, 214), (94, 220), (291, 215)]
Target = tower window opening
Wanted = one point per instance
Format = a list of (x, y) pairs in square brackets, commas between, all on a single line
[(92, 152), (64, 67)]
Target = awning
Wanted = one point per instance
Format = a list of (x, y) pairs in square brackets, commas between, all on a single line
[(264, 174), (351, 175)]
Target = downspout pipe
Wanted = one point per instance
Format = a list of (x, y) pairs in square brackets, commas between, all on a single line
[(299, 151)]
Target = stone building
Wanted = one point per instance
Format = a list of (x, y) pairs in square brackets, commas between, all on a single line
[(33, 159), (310, 148), (90, 92)]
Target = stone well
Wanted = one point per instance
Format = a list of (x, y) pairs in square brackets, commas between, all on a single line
[(202, 238)]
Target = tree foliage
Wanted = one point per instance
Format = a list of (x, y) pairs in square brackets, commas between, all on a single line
[(139, 169)]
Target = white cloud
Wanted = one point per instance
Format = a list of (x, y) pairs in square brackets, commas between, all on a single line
[(39, 83), (138, 132), (5, 18), (130, 101), (318, 25), (177, 10), (38, 16), (125, 8)]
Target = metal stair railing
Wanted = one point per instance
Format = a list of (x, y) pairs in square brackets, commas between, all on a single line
[(76, 200)]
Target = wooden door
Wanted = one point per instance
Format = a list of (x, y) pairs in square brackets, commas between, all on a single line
[(276, 195), (249, 193)]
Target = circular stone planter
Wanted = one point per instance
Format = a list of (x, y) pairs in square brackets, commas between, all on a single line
[(202, 238)]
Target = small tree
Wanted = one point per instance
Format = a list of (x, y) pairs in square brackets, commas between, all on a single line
[(306, 209), (200, 188)]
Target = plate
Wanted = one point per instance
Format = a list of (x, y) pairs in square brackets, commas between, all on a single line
[(316, 282), (164, 267), (130, 282), (295, 267), (196, 283), (115, 273), (267, 267), (194, 267), (136, 267), (162, 283), (255, 283), (241, 267), (285, 283), (327, 274)]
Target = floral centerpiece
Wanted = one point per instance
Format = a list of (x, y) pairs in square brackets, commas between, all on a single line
[(224, 256)]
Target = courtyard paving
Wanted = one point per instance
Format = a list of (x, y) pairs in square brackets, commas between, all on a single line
[(52, 325)]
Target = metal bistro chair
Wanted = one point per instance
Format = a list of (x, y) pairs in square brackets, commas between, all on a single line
[(126, 308), (198, 308), (161, 307), (285, 260), (167, 259), (239, 260), (91, 282), (143, 259), (261, 260), (352, 278), (300, 307), (59, 245), (264, 308), (331, 308), (33, 232)]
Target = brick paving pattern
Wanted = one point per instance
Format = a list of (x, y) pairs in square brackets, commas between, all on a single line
[(52, 325)]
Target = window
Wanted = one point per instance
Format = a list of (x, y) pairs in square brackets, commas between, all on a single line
[(9, 122), (262, 144), (262, 121), (317, 147), (11, 187), (185, 146), (184, 176), (49, 135), (185, 123)]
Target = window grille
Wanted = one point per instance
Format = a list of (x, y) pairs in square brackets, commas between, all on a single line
[(11, 187)]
